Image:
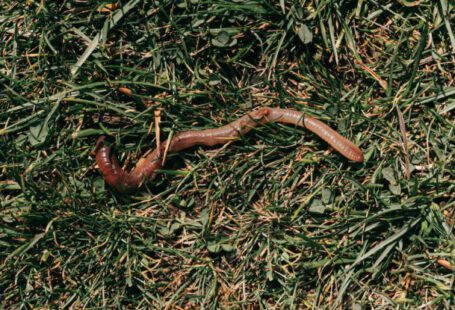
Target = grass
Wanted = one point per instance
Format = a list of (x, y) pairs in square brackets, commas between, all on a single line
[(272, 221)]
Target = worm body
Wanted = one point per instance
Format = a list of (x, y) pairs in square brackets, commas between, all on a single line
[(144, 170)]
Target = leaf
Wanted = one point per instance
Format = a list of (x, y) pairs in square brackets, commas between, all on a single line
[(269, 271), (99, 184), (20, 140), (233, 43), (129, 280), (317, 207), (183, 203), (409, 4), (389, 174), (221, 40), (214, 80), (213, 247), (450, 105), (182, 4), (45, 256), (304, 33), (37, 134), (395, 189), (204, 216), (227, 247), (164, 231), (326, 195), (283, 6), (174, 227), (9, 185), (197, 23), (86, 133)]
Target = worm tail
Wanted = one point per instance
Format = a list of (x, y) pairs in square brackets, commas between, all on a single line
[(337, 141)]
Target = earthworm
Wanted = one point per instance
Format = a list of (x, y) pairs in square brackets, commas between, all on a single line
[(146, 167)]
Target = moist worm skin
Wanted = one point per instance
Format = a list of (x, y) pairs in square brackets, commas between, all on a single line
[(144, 170)]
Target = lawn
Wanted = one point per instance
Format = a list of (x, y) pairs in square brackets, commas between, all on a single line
[(274, 220)]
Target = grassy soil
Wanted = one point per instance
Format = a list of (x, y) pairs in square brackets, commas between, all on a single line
[(275, 220)]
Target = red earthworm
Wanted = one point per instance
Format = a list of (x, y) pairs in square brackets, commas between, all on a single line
[(144, 170)]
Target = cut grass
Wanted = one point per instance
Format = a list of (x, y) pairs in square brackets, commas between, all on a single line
[(273, 220)]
